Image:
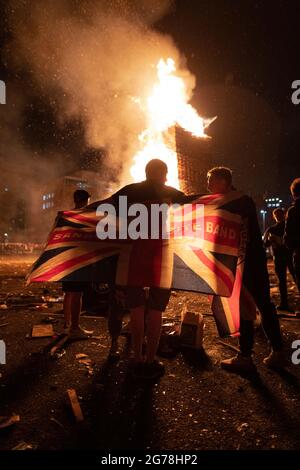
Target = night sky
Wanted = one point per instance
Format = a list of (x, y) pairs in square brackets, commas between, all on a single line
[(248, 45)]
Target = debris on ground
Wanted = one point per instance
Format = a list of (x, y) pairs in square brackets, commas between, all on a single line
[(75, 406), (42, 331), (80, 355), (242, 427), (85, 361), (25, 446), (7, 421), (49, 320), (59, 354)]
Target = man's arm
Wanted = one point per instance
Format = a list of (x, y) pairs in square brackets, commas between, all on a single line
[(266, 237)]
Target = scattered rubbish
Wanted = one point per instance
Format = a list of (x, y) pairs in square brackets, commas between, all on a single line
[(59, 354), (3, 307), (42, 331), (85, 361), (54, 420), (169, 339), (80, 355), (89, 332), (4, 324), (191, 334), (76, 409), (242, 427), (24, 446), (50, 299), (6, 421), (41, 307), (230, 346)]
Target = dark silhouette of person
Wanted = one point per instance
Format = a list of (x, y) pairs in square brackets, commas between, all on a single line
[(273, 237), (292, 229), (255, 278)]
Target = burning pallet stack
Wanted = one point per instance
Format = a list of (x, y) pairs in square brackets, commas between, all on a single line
[(194, 157)]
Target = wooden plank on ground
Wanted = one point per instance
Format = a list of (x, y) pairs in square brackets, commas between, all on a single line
[(76, 409), (42, 331)]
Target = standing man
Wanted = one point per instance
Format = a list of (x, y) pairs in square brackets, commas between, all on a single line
[(146, 311), (74, 290), (273, 237), (255, 278), (292, 229)]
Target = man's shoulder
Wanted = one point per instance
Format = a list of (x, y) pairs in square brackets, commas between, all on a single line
[(129, 188), (172, 190)]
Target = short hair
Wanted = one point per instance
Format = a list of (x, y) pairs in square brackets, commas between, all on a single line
[(221, 172), (156, 165), (277, 211), (295, 187), (80, 195)]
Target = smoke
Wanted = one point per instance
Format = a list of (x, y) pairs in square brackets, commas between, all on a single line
[(92, 58)]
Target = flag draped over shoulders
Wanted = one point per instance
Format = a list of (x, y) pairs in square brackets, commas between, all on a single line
[(203, 262)]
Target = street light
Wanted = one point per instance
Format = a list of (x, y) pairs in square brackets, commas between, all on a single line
[(264, 213)]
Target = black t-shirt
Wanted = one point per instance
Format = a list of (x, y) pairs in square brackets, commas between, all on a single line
[(148, 191)]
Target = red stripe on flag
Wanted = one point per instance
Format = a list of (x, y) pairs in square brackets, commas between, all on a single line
[(214, 268), (68, 264)]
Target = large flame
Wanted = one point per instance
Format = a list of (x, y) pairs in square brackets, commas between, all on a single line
[(165, 107)]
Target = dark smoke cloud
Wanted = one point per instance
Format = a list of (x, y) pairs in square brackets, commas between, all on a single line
[(90, 59)]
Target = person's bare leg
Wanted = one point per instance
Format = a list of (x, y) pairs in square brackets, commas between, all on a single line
[(67, 309), (137, 322), (75, 308), (153, 331)]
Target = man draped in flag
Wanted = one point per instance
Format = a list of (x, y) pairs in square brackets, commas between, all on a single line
[(255, 281), (146, 314)]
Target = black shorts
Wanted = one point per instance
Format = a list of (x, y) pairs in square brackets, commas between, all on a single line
[(72, 286)]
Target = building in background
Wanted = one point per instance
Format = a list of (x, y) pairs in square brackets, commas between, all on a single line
[(57, 194)]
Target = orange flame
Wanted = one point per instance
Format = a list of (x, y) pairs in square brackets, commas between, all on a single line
[(165, 107)]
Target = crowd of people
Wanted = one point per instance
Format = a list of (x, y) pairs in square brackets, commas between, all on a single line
[(146, 306)]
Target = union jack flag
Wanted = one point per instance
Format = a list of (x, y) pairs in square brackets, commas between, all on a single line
[(204, 263)]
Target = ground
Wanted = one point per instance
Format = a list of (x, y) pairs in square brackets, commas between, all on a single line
[(196, 405)]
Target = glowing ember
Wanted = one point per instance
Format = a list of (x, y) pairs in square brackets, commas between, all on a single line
[(168, 105)]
